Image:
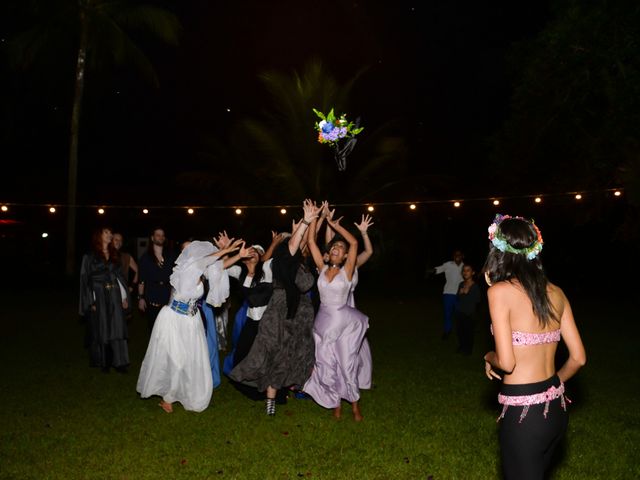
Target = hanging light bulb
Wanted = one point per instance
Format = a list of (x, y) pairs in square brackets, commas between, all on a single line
[(538, 200), (52, 209), (496, 202), (283, 211), (190, 211), (238, 211), (370, 208), (578, 196), (412, 206), (101, 211), (456, 204)]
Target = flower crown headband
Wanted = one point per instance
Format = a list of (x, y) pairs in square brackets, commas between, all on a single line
[(500, 242)]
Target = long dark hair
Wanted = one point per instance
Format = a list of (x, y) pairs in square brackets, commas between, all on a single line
[(505, 266), (96, 246)]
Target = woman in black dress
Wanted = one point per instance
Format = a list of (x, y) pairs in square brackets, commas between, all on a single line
[(103, 299)]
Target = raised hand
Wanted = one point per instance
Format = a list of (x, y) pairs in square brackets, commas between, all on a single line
[(222, 241), (235, 245), (324, 209), (277, 238), (364, 224), (245, 252), (330, 219), (311, 210)]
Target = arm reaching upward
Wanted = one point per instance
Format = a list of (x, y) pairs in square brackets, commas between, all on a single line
[(310, 212), (352, 255), (363, 227)]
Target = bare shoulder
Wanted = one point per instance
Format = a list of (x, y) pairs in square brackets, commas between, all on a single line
[(556, 294), (500, 290)]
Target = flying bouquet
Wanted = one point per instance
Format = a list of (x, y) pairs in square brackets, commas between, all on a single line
[(338, 132)]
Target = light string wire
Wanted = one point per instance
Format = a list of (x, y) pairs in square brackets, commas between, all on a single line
[(615, 191)]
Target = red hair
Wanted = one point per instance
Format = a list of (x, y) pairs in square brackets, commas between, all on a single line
[(96, 246)]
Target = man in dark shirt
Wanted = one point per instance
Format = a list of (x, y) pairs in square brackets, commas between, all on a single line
[(155, 266), (468, 299)]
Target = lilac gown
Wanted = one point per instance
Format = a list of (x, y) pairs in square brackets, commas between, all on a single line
[(338, 333)]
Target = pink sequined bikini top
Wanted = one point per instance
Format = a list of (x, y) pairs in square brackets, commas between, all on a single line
[(526, 338)]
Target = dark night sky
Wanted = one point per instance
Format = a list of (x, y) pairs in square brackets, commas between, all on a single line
[(439, 67)]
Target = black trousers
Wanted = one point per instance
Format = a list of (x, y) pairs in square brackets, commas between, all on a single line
[(151, 314), (464, 330), (527, 447)]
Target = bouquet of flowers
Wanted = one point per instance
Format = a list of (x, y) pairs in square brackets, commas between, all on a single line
[(339, 133)]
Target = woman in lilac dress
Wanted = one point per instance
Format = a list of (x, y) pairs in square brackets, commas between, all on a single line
[(339, 328)]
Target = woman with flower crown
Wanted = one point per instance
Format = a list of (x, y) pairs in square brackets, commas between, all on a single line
[(529, 316)]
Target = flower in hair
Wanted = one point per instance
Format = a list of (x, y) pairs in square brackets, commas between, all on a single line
[(500, 242)]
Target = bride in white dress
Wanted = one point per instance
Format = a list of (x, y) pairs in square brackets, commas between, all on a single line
[(176, 365)]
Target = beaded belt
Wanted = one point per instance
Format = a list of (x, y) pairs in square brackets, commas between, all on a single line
[(526, 401), (183, 308)]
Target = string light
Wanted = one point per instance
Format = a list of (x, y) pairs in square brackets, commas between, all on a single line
[(283, 211), (190, 211), (617, 192)]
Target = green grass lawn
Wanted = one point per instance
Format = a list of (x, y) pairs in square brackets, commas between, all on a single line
[(431, 413)]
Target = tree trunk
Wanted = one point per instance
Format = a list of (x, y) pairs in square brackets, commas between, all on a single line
[(72, 184)]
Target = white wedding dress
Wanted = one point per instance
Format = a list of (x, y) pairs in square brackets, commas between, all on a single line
[(176, 365)]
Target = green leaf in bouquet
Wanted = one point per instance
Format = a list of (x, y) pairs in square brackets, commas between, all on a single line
[(320, 114)]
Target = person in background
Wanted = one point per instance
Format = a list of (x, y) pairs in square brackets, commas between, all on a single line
[(469, 296), (453, 276), (127, 263), (155, 269), (103, 299)]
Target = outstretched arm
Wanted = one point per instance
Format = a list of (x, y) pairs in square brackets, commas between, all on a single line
[(363, 226), (276, 239), (352, 255), (313, 247), (329, 233), (310, 212), (243, 252)]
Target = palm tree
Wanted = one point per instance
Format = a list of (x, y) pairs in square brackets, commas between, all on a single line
[(99, 31), (280, 149)]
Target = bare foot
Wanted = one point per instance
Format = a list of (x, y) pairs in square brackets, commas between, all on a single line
[(337, 412), (166, 406), (357, 416)]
